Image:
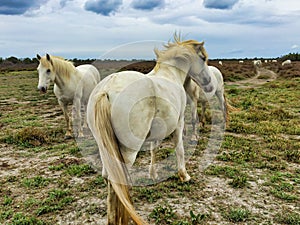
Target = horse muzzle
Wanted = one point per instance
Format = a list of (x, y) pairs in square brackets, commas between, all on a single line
[(43, 90)]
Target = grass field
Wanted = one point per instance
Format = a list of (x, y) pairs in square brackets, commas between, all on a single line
[(255, 178)]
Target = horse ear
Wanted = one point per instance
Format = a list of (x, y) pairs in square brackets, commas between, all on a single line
[(199, 46), (38, 57), (48, 57)]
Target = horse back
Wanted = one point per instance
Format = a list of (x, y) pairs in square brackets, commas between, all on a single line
[(90, 77)]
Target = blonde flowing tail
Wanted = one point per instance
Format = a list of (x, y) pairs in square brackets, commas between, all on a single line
[(228, 108), (114, 164)]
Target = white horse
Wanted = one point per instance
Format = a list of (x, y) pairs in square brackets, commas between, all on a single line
[(129, 108), (196, 94), (257, 63), (286, 62), (72, 85)]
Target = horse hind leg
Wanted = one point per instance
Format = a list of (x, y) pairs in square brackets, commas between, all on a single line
[(77, 121), (194, 120), (194, 115), (152, 170), (116, 212)]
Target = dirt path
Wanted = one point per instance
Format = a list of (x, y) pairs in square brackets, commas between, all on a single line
[(262, 76)]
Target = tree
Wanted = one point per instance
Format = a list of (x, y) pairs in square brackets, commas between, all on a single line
[(13, 59), (291, 56)]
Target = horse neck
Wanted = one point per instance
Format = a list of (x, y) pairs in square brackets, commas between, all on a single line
[(216, 77), (65, 77), (174, 73)]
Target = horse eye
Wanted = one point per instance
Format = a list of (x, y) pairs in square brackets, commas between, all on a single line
[(48, 71), (202, 57)]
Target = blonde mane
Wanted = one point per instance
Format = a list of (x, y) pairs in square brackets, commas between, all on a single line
[(178, 48), (59, 65)]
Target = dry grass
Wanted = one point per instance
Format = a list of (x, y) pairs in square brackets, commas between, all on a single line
[(254, 180)]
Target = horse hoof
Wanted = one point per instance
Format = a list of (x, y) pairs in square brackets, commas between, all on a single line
[(153, 174), (80, 135), (68, 137), (184, 177), (193, 142)]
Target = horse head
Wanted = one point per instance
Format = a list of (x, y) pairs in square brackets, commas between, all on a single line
[(46, 73), (199, 70)]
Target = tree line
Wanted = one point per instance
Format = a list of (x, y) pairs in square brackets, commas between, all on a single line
[(291, 56), (14, 63), (15, 60)]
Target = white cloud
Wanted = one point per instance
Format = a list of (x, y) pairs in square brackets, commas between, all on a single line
[(251, 28)]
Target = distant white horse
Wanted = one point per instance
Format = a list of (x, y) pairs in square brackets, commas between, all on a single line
[(195, 93), (129, 108), (72, 85), (286, 62), (257, 63)]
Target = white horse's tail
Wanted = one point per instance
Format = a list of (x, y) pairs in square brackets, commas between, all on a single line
[(228, 108), (113, 162)]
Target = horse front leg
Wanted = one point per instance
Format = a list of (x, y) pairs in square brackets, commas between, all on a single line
[(183, 175), (194, 120), (77, 119), (222, 102), (64, 108)]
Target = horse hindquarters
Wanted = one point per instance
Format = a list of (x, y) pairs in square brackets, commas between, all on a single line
[(119, 203), (90, 78)]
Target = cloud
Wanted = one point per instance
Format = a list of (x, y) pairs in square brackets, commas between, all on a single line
[(147, 4), (103, 7), (219, 4), (18, 7), (295, 46), (63, 3)]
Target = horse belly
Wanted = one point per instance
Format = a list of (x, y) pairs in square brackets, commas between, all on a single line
[(165, 120), (170, 101)]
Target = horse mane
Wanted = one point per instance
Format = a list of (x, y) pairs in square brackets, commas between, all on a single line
[(59, 65), (178, 48)]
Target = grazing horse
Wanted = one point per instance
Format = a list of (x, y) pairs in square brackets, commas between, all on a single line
[(195, 93), (72, 85), (257, 63), (129, 108), (286, 62)]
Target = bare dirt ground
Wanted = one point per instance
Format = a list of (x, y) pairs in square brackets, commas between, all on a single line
[(253, 180), (262, 76)]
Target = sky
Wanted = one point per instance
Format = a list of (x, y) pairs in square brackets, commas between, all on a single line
[(127, 29)]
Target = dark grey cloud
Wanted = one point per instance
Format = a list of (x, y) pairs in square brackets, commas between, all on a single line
[(103, 7), (18, 7), (63, 3), (219, 4), (147, 4)]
